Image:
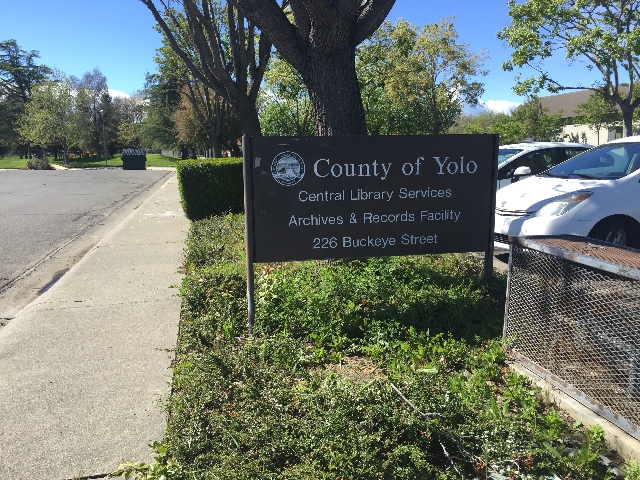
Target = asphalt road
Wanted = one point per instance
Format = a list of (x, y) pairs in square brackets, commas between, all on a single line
[(50, 219)]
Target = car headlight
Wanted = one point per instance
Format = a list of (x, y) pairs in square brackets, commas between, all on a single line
[(562, 205)]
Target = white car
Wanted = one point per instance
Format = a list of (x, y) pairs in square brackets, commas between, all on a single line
[(595, 194), (537, 156)]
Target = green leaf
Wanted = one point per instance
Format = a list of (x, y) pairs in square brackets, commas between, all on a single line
[(552, 450), (431, 371)]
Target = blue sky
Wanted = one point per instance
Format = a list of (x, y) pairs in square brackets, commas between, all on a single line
[(117, 36)]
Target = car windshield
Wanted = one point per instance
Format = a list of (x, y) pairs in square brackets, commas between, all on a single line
[(603, 163), (506, 153)]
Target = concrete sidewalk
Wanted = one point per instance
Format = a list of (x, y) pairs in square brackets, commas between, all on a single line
[(84, 367)]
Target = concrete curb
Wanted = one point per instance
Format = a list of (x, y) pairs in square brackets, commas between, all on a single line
[(622, 442)]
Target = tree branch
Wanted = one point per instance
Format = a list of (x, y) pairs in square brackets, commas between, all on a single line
[(301, 16), (372, 14), (281, 32), (195, 71)]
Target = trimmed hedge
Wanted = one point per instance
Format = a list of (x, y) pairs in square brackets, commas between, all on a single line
[(210, 187)]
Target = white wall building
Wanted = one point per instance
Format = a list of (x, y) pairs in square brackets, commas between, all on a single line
[(567, 103)]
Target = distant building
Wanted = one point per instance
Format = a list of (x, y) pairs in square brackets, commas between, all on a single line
[(567, 103)]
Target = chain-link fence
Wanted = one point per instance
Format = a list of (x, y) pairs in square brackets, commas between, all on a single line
[(573, 316)]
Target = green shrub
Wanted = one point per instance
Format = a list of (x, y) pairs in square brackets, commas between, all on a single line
[(358, 302), (218, 239), (386, 368), (632, 470), (214, 289), (39, 164), (211, 187), (215, 300)]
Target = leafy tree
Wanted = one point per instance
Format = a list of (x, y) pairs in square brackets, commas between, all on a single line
[(220, 49), (161, 96), (524, 123), (287, 117), (51, 117), (286, 108), (416, 80), (109, 113), (537, 125), (93, 96), (598, 113), (212, 116), (509, 129), (188, 129), (129, 113), (9, 111), (204, 121), (374, 66), (604, 33), (483, 122), (318, 38), (19, 72)]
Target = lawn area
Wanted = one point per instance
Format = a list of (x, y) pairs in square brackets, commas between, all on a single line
[(13, 162), (153, 160)]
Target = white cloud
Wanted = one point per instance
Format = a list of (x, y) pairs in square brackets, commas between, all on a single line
[(118, 93), (504, 106)]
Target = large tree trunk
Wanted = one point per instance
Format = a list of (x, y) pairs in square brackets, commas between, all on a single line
[(215, 128), (249, 119), (627, 121), (335, 96), (626, 103), (320, 42), (216, 147)]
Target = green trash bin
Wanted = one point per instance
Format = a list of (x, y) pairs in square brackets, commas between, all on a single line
[(134, 159)]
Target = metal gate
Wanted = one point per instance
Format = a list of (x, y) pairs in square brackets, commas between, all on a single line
[(573, 317)]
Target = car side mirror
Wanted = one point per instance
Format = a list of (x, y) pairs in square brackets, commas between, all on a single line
[(521, 171)]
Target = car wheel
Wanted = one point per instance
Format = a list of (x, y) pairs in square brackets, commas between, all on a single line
[(617, 231)]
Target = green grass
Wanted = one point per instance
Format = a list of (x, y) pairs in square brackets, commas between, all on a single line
[(158, 160), (153, 160), (13, 162), (387, 368)]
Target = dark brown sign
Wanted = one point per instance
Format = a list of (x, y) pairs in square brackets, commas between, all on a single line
[(344, 197)]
